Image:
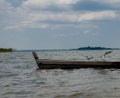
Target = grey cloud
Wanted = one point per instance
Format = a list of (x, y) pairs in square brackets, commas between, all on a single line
[(91, 6), (15, 3)]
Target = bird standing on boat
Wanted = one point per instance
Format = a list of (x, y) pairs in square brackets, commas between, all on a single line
[(88, 58), (106, 53)]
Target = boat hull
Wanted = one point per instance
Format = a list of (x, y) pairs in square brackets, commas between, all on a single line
[(62, 64), (66, 64)]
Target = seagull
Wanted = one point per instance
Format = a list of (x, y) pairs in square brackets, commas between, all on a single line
[(89, 58), (106, 53)]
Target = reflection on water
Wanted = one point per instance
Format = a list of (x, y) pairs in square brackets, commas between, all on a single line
[(20, 79)]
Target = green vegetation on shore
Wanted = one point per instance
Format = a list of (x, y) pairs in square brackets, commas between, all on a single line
[(6, 50), (96, 48)]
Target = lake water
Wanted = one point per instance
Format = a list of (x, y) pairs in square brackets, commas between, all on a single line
[(20, 79)]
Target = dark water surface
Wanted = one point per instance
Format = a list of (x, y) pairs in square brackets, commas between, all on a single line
[(20, 79)]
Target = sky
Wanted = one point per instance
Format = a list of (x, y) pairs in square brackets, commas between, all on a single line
[(59, 24)]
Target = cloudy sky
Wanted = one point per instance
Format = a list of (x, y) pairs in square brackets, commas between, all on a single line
[(59, 24)]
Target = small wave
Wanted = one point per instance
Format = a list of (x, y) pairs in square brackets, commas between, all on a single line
[(7, 75), (22, 92), (79, 95), (74, 95), (61, 96)]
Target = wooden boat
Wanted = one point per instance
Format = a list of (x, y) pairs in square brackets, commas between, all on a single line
[(68, 64)]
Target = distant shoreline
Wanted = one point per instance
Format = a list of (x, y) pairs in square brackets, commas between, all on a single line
[(96, 48), (77, 49), (6, 50)]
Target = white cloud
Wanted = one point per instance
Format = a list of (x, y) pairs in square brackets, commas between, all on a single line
[(46, 3), (21, 18), (6, 12), (5, 7), (70, 16), (10, 17), (66, 2), (97, 15), (50, 2), (109, 1), (44, 19)]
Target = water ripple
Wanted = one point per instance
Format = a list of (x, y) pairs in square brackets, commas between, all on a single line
[(20, 79)]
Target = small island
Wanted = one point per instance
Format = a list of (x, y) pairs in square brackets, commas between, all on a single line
[(6, 50), (96, 48)]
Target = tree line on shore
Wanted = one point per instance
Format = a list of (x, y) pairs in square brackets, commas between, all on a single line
[(7, 50)]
